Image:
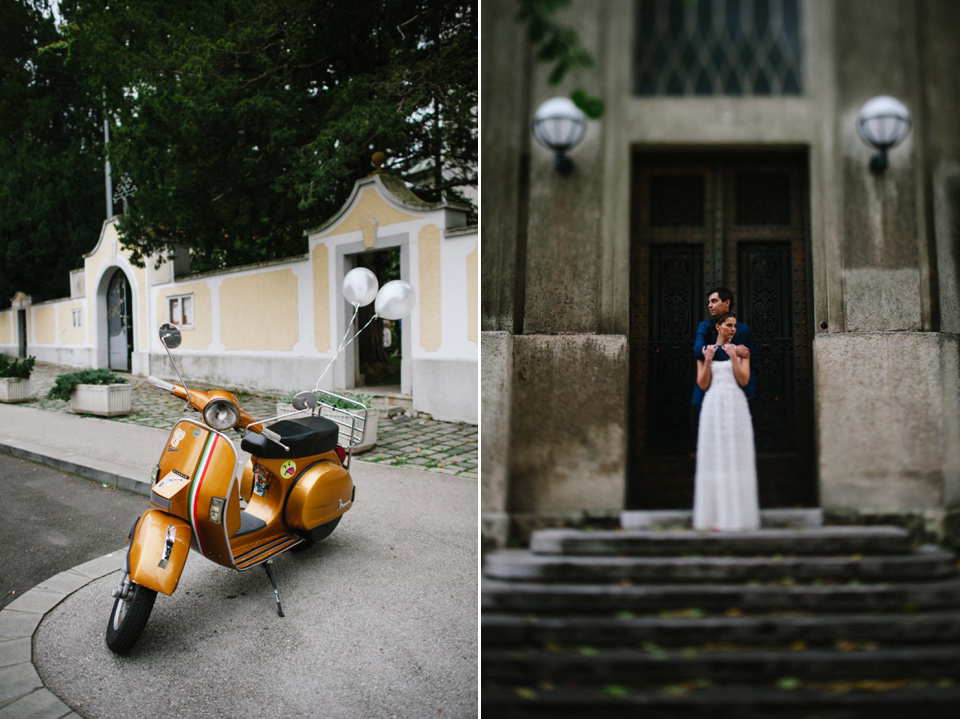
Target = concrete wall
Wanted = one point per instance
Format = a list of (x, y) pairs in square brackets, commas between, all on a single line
[(568, 420), (889, 409)]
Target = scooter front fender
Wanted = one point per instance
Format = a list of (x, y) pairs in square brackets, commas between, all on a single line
[(158, 551)]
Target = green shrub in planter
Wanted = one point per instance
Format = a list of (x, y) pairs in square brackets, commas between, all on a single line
[(18, 369), (66, 383)]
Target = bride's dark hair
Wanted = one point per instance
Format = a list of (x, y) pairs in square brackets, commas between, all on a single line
[(723, 318)]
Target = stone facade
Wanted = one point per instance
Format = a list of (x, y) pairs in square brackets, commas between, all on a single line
[(882, 257)]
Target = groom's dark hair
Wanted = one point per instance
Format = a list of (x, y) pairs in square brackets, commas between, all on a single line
[(723, 293)]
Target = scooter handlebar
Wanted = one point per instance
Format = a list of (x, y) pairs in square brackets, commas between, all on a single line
[(159, 383), (273, 437)]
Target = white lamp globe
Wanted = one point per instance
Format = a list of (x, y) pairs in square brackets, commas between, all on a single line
[(558, 124), (884, 122)]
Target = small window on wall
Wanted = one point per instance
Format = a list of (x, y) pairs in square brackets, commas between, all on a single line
[(76, 316), (181, 310)]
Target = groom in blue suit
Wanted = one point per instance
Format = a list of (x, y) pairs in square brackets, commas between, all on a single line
[(719, 301)]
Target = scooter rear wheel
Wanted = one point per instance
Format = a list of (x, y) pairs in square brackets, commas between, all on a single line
[(129, 618), (317, 534)]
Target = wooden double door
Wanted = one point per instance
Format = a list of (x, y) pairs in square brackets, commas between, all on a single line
[(737, 221)]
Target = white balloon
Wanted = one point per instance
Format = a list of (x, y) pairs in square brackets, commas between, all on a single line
[(395, 300), (360, 286)]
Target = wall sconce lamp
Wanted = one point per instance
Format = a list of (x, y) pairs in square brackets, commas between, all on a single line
[(883, 124), (559, 125)]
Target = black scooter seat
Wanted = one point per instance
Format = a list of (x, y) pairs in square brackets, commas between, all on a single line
[(305, 437)]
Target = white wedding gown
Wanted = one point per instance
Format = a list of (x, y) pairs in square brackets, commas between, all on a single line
[(725, 484)]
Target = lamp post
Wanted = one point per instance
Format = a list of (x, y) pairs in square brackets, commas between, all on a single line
[(559, 125), (883, 124)]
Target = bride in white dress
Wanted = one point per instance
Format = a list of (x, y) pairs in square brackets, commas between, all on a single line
[(725, 484)]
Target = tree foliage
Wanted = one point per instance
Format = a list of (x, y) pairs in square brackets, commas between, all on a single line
[(559, 46), (241, 123), (244, 123), (51, 155)]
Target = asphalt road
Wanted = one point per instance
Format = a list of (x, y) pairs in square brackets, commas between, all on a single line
[(55, 521), (381, 618)]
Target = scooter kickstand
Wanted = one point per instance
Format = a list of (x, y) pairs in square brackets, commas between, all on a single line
[(273, 580)]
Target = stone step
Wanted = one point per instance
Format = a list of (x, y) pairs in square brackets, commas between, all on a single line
[(679, 701), (651, 665), (928, 562), (647, 519), (530, 597), (824, 540), (689, 628)]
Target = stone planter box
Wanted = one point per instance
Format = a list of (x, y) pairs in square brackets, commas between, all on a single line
[(104, 400), (342, 418), (14, 389)]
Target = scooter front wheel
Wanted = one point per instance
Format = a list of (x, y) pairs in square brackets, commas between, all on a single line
[(129, 618)]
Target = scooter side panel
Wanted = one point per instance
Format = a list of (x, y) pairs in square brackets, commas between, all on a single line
[(155, 563), (322, 493), (207, 459)]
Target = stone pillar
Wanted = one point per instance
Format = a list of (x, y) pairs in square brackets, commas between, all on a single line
[(496, 377)]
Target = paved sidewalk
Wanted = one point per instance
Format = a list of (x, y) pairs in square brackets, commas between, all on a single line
[(443, 447)]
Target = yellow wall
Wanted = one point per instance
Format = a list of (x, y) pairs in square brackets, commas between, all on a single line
[(200, 337), (369, 204), (431, 333), (70, 335), (44, 325), (259, 312), (6, 327), (321, 297), (473, 296)]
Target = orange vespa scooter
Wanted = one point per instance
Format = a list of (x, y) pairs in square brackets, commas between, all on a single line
[(292, 493)]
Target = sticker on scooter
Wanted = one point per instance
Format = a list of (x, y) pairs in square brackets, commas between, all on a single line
[(178, 436), (260, 483), (288, 468), (171, 478)]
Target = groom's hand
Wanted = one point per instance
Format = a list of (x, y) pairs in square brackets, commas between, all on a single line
[(742, 351)]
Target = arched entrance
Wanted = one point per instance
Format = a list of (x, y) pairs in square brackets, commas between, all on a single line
[(119, 322)]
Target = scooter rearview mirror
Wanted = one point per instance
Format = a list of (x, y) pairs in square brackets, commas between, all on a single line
[(305, 400), (170, 335)]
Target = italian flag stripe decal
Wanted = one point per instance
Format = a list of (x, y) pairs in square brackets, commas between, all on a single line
[(197, 480)]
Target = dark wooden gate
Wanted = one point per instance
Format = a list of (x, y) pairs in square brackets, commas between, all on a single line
[(738, 221), (22, 333), (119, 322)]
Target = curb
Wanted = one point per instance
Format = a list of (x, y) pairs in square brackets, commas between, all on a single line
[(66, 463), (22, 692)]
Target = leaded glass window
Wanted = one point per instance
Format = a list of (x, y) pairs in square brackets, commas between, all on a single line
[(717, 47)]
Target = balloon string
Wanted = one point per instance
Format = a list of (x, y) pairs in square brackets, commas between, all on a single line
[(345, 342)]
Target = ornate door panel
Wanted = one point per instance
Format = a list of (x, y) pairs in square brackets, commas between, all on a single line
[(735, 221)]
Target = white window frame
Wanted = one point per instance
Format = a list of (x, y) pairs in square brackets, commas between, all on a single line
[(180, 310)]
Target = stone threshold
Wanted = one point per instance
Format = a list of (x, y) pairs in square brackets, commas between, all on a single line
[(683, 518)]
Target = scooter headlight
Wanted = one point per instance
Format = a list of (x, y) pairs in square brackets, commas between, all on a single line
[(221, 414)]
